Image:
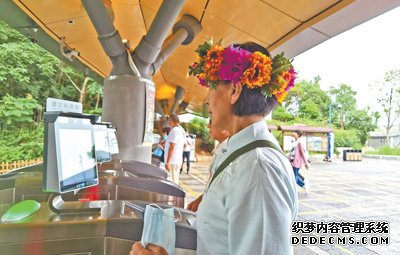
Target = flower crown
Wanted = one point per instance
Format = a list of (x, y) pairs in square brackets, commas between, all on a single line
[(252, 69)]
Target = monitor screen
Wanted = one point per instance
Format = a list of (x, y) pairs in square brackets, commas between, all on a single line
[(75, 151), (103, 153)]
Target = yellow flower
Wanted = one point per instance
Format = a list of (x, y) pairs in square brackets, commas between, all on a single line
[(213, 60), (259, 72), (281, 96)]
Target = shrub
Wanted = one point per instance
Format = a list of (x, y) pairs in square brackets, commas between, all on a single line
[(23, 145), (385, 150), (347, 138), (199, 126), (281, 114)]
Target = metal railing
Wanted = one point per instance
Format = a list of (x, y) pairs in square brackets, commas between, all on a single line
[(6, 167)]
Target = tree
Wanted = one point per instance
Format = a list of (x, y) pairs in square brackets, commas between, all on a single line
[(345, 103), (28, 69), (28, 75), (96, 93), (281, 114), (17, 112), (389, 99), (21, 138), (308, 100), (7, 34), (362, 122)]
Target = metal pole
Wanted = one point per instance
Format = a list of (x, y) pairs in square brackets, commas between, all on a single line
[(184, 32), (150, 46), (178, 97), (329, 134), (109, 37)]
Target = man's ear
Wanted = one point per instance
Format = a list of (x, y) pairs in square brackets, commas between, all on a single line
[(236, 91)]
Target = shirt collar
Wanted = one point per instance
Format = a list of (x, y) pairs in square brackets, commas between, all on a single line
[(256, 131)]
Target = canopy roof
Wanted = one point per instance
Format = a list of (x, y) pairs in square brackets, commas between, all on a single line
[(279, 25), (306, 129)]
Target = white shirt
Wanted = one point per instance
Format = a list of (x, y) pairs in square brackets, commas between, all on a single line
[(250, 206), (189, 142), (176, 136), (221, 148)]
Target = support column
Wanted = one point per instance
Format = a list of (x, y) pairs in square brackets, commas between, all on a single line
[(124, 106)]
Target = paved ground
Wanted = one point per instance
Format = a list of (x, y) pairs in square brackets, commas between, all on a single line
[(341, 191)]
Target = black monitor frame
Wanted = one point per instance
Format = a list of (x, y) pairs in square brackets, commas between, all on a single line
[(56, 122)]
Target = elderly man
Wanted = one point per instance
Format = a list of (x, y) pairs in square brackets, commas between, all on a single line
[(251, 200)]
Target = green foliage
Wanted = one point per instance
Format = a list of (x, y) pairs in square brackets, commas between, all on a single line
[(385, 150), (28, 76), (345, 102), (389, 99), (199, 126), (310, 105), (344, 96), (7, 34), (281, 114), (298, 120), (17, 112), (97, 111), (24, 145), (362, 122), (347, 138), (308, 100), (26, 68), (20, 137), (310, 109)]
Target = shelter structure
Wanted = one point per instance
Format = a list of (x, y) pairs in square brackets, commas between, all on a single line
[(378, 139), (316, 138)]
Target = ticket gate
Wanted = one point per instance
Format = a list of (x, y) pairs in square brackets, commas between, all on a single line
[(111, 231), (26, 183), (135, 167)]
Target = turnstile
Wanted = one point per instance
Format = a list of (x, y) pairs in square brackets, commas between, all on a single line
[(112, 231), (135, 167), (26, 183)]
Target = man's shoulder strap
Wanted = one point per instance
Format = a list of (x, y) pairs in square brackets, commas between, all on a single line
[(243, 150)]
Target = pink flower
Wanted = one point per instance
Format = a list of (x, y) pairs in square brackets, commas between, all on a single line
[(236, 60), (202, 82), (292, 79)]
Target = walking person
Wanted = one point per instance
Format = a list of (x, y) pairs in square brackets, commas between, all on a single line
[(174, 148), (251, 201), (298, 158), (164, 136), (186, 153)]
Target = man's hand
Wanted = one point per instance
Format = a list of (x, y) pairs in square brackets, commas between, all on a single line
[(194, 205), (167, 167), (151, 249)]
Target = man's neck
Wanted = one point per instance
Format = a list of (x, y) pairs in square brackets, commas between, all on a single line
[(242, 122)]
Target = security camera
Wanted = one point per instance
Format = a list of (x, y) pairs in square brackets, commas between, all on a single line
[(70, 54), (74, 53), (33, 39)]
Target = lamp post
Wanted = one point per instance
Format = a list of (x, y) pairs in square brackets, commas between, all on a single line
[(330, 134), (330, 143)]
